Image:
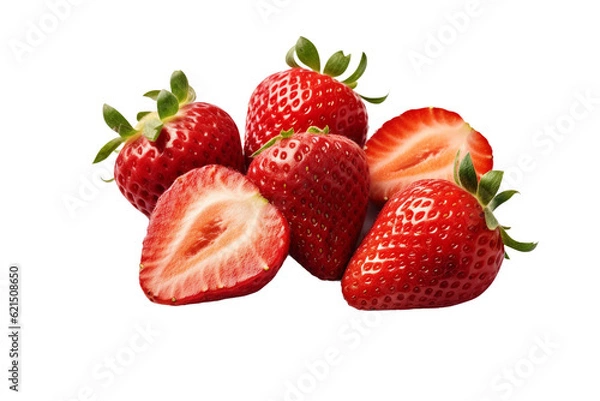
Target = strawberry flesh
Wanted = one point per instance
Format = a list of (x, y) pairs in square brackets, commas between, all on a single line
[(211, 236), (422, 144)]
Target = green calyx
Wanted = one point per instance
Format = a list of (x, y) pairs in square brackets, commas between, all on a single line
[(485, 190), (306, 52), (288, 134), (150, 123)]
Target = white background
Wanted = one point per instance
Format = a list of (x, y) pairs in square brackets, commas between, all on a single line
[(526, 76)]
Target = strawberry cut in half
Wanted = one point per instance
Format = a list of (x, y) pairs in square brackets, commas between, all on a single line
[(422, 144), (212, 236)]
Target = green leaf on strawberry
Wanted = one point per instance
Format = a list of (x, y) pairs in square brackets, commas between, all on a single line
[(511, 243), (485, 190), (489, 186), (467, 176), (152, 127), (141, 115), (180, 86), (167, 104), (352, 80), (501, 198), (117, 122), (336, 65), (150, 123), (153, 94), (308, 54), (284, 134), (304, 96), (434, 244), (108, 148), (180, 135), (288, 134)]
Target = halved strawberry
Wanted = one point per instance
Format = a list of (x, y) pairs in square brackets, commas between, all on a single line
[(421, 144), (211, 236)]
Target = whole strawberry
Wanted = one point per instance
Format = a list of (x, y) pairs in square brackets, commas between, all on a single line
[(300, 97), (320, 182), (181, 135), (433, 244)]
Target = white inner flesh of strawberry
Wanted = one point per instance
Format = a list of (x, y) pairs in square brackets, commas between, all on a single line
[(215, 245), (428, 154)]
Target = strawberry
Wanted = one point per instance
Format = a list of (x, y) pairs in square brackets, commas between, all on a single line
[(211, 236), (301, 97), (434, 244), (320, 182), (419, 144), (181, 135)]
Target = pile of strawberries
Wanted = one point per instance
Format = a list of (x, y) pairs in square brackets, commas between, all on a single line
[(224, 215)]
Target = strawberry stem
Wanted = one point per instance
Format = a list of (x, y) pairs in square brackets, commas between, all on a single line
[(336, 65), (151, 127), (288, 134), (317, 130), (273, 141), (150, 124), (485, 191)]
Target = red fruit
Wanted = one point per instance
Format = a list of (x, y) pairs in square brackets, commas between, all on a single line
[(433, 244), (320, 182), (211, 236), (298, 98), (421, 144), (181, 136)]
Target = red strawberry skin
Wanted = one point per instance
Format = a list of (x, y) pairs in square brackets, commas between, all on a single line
[(422, 144), (212, 236), (297, 99), (199, 135), (429, 247), (321, 185)]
